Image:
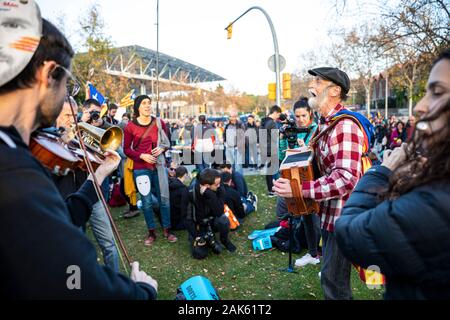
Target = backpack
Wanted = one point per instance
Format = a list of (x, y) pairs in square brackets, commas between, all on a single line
[(364, 125), (234, 222)]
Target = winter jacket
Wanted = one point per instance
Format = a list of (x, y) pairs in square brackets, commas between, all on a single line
[(233, 201), (179, 204), (408, 238)]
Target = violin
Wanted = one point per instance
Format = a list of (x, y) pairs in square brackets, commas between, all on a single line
[(60, 157)]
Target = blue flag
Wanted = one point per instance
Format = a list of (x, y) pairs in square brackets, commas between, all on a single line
[(94, 94)]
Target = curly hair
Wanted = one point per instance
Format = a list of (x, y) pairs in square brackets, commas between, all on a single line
[(424, 165)]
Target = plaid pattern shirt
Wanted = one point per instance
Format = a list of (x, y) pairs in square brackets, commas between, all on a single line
[(339, 155)]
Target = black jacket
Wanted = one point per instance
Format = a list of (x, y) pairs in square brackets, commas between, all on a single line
[(239, 184), (180, 206), (267, 124), (38, 238), (233, 200), (207, 205), (407, 238)]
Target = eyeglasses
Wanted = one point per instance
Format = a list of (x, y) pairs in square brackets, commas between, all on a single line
[(73, 86), (172, 169)]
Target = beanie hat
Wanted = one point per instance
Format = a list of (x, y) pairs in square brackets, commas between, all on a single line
[(137, 103)]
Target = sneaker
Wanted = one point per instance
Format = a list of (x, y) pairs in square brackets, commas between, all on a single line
[(130, 214), (271, 194), (151, 238), (307, 259), (170, 236), (230, 247), (255, 201)]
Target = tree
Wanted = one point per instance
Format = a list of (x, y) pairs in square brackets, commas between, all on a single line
[(360, 56), (90, 65)]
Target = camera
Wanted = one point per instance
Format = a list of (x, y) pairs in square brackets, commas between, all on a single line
[(209, 237), (94, 116), (290, 131)]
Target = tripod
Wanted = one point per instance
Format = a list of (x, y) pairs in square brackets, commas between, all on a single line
[(290, 267)]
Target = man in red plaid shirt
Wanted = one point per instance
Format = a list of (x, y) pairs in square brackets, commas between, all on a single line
[(338, 154)]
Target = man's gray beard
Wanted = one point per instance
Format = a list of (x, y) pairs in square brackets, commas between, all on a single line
[(312, 101), (316, 102)]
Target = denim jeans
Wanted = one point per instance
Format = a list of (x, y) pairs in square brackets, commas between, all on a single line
[(336, 269), (311, 224), (101, 228), (151, 177), (249, 205), (234, 157)]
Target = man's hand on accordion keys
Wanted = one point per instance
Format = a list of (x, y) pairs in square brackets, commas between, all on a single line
[(282, 187)]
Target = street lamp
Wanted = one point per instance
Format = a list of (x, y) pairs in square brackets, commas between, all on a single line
[(152, 70), (275, 44)]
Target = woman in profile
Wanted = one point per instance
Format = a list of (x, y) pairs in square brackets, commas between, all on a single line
[(398, 217)]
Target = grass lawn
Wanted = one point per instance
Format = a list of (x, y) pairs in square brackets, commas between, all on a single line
[(244, 274)]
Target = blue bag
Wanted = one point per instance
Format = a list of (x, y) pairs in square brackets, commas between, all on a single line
[(262, 243), (197, 288), (262, 233)]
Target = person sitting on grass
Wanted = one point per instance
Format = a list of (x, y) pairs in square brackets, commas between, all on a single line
[(179, 199), (239, 205), (237, 179), (208, 207)]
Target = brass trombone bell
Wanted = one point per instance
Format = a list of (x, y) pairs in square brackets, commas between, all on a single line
[(101, 140)]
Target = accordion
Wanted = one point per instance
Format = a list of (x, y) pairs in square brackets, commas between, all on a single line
[(297, 167)]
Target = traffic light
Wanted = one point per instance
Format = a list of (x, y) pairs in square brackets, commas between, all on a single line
[(202, 109), (272, 91), (230, 31), (287, 86)]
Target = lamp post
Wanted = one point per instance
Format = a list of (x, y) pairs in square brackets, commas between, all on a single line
[(157, 58), (152, 71), (275, 44)]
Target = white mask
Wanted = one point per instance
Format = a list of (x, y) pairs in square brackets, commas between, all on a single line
[(20, 33), (143, 185)]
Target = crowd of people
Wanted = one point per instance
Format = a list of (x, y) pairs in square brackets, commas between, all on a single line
[(394, 215)]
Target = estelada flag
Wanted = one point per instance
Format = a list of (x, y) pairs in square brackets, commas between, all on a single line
[(128, 100)]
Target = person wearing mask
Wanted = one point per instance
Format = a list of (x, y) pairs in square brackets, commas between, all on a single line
[(40, 268), (398, 217), (145, 142), (125, 119)]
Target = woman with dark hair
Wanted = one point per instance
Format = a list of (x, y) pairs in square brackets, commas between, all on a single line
[(145, 142), (398, 135), (398, 218), (304, 118)]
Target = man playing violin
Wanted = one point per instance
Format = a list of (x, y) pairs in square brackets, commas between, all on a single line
[(40, 246)]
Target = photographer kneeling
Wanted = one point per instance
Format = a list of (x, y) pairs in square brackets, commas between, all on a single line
[(208, 216)]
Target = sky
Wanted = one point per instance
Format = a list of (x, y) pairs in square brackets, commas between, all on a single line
[(193, 31)]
